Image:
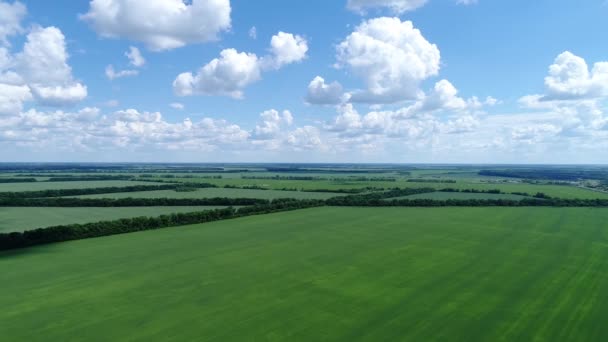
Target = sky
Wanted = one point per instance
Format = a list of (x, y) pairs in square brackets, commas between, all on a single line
[(374, 81)]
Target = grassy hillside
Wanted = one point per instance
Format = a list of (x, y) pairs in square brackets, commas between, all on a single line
[(19, 219), (369, 274)]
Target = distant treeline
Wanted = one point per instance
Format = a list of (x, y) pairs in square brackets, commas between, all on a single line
[(427, 180), (104, 228), (334, 179), (89, 178), (565, 174), (17, 180), (126, 202), (306, 170), (95, 191)]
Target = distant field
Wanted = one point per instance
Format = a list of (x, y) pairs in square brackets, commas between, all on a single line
[(10, 187), (19, 219), (442, 196), (337, 274), (218, 192), (551, 190)]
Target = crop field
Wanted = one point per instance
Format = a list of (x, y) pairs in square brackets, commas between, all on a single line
[(442, 196), (36, 186), (562, 191), (369, 274), (218, 192), (19, 219)]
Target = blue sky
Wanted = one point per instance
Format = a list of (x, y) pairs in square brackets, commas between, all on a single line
[(403, 81)]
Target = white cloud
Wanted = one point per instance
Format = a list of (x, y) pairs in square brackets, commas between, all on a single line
[(177, 105), (287, 48), (396, 6), (135, 57), (168, 24), (59, 95), (41, 67), (253, 33), (233, 71), (11, 16), (226, 75), (305, 138), (271, 123), (570, 78), (112, 74), (321, 93), (391, 56), (12, 98)]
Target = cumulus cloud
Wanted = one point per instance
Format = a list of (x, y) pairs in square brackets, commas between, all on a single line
[(42, 67), (570, 78), (12, 98), (271, 123), (287, 48), (391, 56), (396, 6), (135, 57), (233, 71), (168, 24), (226, 75), (112, 74), (59, 95), (11, 16), (573, 94), (321, 93)]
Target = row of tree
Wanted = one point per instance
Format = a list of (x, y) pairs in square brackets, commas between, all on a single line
[(125, 202), (17, 180), (105, 190), (104, 228)]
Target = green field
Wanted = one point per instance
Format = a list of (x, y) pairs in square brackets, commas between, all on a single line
[(561, 191), (349, 274), (218, 192), (442, 196), (36, 186), (19, 219)]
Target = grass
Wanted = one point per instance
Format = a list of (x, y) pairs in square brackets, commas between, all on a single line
[(338, 274), (561, 191), (442, 196), (20, 219), (218, 192), (16, 187)]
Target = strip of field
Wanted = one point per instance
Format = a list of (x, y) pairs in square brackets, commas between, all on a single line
[(443, 196), (560, 191), (373, 274), (20, 219), (218, 192), (16, 187)]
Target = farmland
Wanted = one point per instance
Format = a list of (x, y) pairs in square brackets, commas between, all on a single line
[(37, 186), (218, 192), (327, 273), (306, 253), (18, 219)]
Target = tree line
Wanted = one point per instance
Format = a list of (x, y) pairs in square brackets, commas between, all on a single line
[(104, 190), (104, 228), (125, 202), (18, 180)]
